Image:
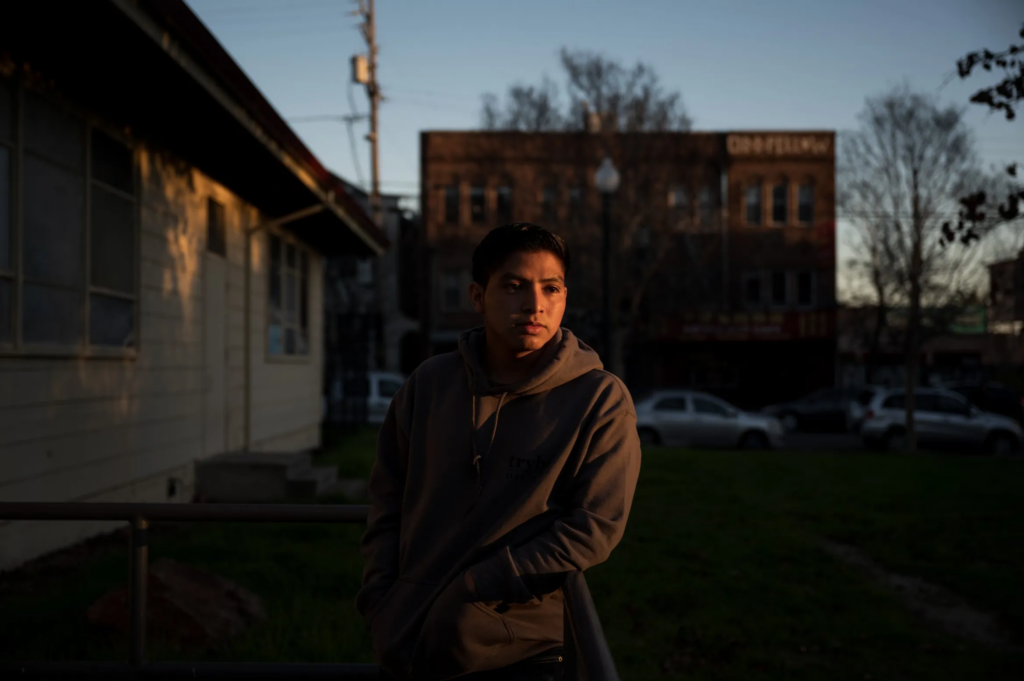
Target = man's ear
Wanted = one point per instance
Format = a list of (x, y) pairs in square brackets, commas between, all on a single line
[(476, 297)]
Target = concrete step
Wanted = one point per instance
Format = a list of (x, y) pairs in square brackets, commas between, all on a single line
[(313, 482), (249, 477), (353, 488)]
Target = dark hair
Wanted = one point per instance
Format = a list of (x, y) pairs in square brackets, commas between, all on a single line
[(518, 237)]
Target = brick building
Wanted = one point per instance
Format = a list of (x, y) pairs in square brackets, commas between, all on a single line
[(724, 256)]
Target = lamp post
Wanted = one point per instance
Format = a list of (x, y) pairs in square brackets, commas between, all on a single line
[(607, 181)]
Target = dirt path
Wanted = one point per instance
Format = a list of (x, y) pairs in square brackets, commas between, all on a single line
[(941, 607)]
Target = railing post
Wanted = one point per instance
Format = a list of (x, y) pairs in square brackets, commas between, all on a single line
[(139, 574), (570, 667)]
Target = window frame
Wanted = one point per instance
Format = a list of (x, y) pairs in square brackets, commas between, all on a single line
[(452, 188), (503, 216), (814, 287), (304, 283), (443, 281), (478, 191), (781, 186), (748, 189), (759, 278), (799, 220), (88, 123), (788, 290)]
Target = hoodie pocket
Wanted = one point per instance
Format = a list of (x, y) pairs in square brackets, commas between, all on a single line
[(459, 635)]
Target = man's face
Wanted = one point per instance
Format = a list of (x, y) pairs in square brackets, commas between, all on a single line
[(524, 301)]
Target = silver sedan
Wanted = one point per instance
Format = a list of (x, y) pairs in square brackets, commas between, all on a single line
[(686, 418)]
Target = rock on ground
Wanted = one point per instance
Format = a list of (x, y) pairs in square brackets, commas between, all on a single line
[(186, 607)]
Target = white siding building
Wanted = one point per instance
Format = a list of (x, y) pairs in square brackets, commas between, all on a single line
[(161, 249)]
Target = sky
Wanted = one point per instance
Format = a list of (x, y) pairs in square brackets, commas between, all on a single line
[(738, 64)]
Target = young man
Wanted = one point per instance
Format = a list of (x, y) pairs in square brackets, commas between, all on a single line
[(500, 468)]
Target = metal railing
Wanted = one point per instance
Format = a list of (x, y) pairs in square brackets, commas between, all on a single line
[(587, 657)]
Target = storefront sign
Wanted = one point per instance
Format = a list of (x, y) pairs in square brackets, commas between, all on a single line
[(750, 326), (779, 145)]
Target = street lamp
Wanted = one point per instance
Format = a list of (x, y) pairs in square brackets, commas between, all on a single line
[(607, 181)]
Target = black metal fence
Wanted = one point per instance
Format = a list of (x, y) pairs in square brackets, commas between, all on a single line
[(587, 657)]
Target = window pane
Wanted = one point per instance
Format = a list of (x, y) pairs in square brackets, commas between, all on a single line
[(707, 215), (303, 294), (951, 405), (6, 109), (805, 289), (780, 211), (6, 322), (477, 207), (112, 162), (451, 290), (388, 388), (111, 321), (5, 208), (290, 298), (290, 256), (216, 238), (451, 204), (275, 339), (671, 404), (575, 203), (926, 403), (113, 241), (54, 203), (779, 292), (549, 203), (753, 290), (702, 406), (54, 132), (289, 341), (274, 289), (504, 206), (51, 315), (806, 206), (754, 205), (895, 402)]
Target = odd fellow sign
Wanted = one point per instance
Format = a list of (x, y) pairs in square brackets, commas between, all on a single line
[(779, 145)]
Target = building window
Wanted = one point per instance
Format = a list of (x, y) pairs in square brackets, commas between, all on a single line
[(678, 205), (752, 294), (549, 204), (78, 231), (805, 204), (707, 206), (288, 299), (780, 204), (451, 290), (216, 237), (477, 205), (805, 289), (575, 204), (504, 205), (753, 201), (451, 204), (780, 289)]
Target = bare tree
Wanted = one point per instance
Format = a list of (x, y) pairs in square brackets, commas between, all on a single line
[(901, 172), (657, 211)]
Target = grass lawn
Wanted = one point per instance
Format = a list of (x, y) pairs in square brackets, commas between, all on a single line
[(721, 574)]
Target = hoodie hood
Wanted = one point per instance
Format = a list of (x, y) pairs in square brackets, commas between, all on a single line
[(567, 358)]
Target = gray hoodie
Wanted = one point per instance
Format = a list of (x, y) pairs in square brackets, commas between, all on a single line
[(483, 497)]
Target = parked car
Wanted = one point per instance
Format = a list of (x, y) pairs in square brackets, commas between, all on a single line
[(859, 407), (685, 418), (994, 398), (383, 386), (825, 410), (943, 419)]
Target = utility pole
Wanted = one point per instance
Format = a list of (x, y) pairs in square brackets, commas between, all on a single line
[(365, 72)]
